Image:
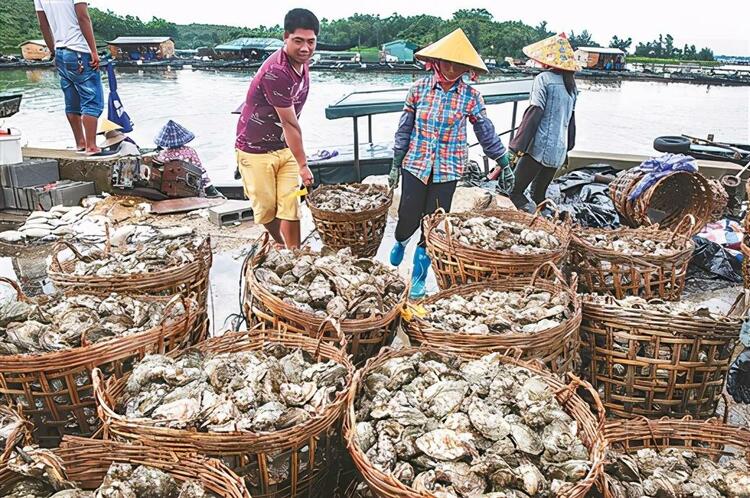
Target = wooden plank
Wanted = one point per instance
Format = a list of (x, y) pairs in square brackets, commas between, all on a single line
[(171, 206)]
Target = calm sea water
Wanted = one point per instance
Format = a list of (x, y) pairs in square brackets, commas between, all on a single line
[(614, 117)]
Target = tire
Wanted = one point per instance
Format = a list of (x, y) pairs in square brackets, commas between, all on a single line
[(675, 145)]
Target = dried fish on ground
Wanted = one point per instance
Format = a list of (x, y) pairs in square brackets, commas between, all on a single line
[(331, 283), (251, 391), (47, 226), (45, 477), (673, 472), (349, 198), (456, 428), (63, 322), (497, 312), (493, 234), (631, 244), (141, 249)]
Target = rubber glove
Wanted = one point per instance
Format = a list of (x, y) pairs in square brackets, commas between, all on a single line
[(504, 160), (738, 378), (395, 174)]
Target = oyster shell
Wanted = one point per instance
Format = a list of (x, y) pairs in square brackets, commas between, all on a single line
[(349, 198), (493, 234)]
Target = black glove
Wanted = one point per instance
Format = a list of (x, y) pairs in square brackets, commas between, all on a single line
[(738, 378)]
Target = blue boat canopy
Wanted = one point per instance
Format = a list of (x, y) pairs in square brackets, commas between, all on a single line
[(367, 103)]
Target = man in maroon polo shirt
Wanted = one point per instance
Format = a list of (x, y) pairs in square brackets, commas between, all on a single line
[(270, 154)]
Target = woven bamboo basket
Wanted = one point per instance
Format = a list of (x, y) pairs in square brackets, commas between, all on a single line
[(308, 450), (720, 199), (590, 427), (606, 271), (55, 388), (362, 231), (86, 462), (19, 431), (189, 278), (666, 202), (556, 347), (711, 438), (653, 364), (364, 335), (745, 249), (455, 263)]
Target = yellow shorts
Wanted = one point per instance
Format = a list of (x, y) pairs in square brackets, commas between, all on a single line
[(270, 181)]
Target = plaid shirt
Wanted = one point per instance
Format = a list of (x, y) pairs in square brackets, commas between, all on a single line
[(438, 141)]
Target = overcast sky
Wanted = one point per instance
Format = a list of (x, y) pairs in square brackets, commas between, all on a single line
[(719, 24)]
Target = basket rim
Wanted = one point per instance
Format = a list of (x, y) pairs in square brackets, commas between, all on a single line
[(213, 474), (562, 231), (343, 217), (570, 325), (59, 271), (590, 250), (145, 429), (254, 290), (98, 352), (598, 444)]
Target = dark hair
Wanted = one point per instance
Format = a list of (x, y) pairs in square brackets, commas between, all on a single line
[(569, 78), (301, 18)]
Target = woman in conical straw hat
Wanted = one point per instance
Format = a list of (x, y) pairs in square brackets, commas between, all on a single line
[(547, 131), (430, 143)]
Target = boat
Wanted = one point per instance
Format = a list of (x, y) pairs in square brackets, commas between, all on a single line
[(706, 149)]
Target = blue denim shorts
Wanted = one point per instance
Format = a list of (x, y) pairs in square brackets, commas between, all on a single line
[(80, 83)]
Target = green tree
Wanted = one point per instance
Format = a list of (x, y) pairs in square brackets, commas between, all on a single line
[(582, 40), (621, 43)]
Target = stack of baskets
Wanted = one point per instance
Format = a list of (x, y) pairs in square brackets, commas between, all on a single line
[(188, 278), (666, 202), (55, 387), (361, 231), (455, 263)]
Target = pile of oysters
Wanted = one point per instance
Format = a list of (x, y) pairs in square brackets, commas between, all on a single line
[(456, 428), (257, 391), (493, 234), (491, 311), (631, 244), (68, 321), (335, 284), (685, 308), (674, 472), (349, 198), (44, 477), (141, 249)]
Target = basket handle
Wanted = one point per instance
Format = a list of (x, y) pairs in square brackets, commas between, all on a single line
[(101, 396), (741, 306), (107, 239), (550, 268), (550, 204), (60, 246), (20, 294), (512, 352), (575, 383), (683, 229), (330, 323)]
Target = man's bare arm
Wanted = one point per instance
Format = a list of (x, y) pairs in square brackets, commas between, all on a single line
[(84, 21), (293, 137), (46, 30)]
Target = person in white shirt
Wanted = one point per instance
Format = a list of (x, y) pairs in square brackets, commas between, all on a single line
[(69, 34)]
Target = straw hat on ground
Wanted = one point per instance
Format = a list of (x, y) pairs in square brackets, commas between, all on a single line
[(454, 47), (554, 51), (105, 126)]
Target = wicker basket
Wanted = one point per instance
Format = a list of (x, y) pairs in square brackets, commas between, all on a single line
[(745, 249), (589, 427), (711, 438), (361, 231), (557, 347), (607, 271), (308, 450), (189, 278), (86, 462), (364, 336), (55, 388), (666, 202), (19, 434), (455, 263), (650, 363)]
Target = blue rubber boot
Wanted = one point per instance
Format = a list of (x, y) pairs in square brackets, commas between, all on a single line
[(419, 273), (397, 253)]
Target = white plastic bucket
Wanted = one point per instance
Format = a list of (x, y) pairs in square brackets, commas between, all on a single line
[(10, 148)]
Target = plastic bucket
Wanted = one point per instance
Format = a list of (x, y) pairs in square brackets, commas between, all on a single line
[(10, 148)]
